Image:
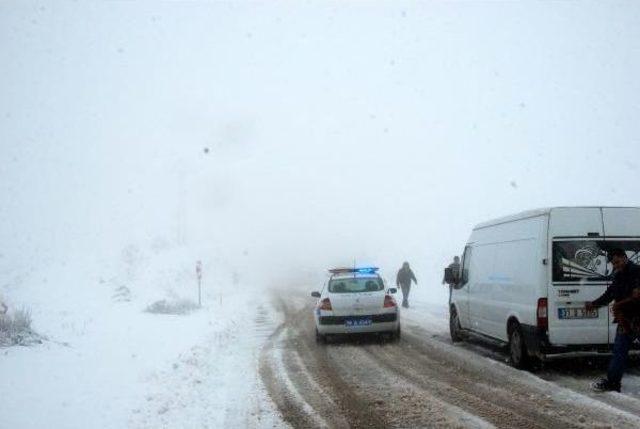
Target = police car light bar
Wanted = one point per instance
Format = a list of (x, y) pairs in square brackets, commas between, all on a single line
[(361, 270)]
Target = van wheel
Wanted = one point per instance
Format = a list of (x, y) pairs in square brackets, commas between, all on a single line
[(517, 348), (454, 326), (320, 339)]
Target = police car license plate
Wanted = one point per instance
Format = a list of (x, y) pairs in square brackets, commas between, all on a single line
[(358, 321), (577, 313)]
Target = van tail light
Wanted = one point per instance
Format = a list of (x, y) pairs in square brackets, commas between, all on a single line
[(389, 301), (542, 314), (325, 304)]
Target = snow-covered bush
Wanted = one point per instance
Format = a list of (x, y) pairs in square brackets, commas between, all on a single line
[(15, 329), (122, 294), (172, 307)]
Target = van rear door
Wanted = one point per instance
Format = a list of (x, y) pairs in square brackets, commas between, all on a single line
[(578, 275)]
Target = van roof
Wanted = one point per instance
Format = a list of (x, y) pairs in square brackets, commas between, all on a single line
[(538, 212)]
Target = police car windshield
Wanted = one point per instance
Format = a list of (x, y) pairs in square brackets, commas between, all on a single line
[(355, 285)]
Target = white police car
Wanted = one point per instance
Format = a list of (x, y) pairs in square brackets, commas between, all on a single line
[(353, 301)]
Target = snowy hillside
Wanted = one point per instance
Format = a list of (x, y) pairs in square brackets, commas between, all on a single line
[(106, 362)]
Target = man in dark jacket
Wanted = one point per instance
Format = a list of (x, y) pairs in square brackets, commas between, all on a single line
[(624, 290), (455, 269), (403, 279)]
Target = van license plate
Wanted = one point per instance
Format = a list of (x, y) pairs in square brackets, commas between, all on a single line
[(577, 313), (360, 321)]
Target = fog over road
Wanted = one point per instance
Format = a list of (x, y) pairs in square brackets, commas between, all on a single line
[(266, 142), (426, 381)]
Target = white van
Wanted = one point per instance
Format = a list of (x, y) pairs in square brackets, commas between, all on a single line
[(525, 280)]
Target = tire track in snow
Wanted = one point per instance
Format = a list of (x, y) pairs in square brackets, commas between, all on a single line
[(573, 374), (405, 403), (333, 402), (293, 407), (365, 390), (454, 385), (451, 382)]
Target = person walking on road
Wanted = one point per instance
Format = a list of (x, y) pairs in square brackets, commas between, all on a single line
[(403, 279), (625, 291)]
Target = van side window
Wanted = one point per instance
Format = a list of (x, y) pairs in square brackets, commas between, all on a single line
[(466, 262)]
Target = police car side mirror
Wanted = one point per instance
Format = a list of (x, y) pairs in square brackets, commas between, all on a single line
[(315, 294), (392, 290)]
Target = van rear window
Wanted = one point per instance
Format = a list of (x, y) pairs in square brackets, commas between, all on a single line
[(587, 260)]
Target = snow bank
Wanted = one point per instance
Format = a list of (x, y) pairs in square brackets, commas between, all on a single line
[(105, 353)]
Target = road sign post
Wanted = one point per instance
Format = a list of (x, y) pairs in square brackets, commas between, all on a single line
[(199, 274)]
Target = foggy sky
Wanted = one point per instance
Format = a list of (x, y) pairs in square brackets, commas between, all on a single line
[(375, 131)]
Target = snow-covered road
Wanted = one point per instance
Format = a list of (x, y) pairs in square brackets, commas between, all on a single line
[(426, 381), (252, 361)]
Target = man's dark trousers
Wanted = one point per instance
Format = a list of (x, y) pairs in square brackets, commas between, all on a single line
[(405, 294), (618, 363)]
